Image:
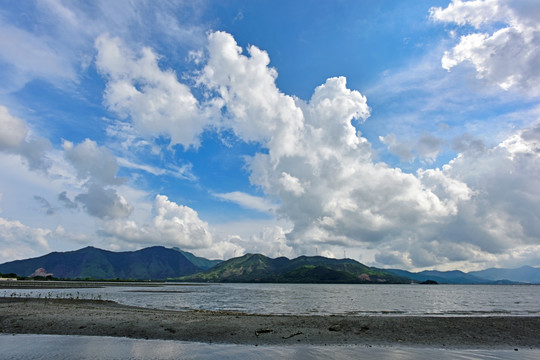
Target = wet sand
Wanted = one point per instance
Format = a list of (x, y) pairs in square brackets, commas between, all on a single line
[(105, 318)]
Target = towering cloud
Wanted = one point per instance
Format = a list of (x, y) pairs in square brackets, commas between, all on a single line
[(254, 107), (318, 165)]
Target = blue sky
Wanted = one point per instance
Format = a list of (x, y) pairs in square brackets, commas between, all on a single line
[(400, 133)]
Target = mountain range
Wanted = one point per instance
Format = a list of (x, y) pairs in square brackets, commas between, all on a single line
[(160, 263), (91, 263), (303, 269)]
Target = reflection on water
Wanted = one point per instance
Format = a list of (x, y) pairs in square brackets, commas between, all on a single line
[(95, 347), (318, 299)]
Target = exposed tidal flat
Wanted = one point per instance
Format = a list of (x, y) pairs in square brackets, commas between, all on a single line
[(105, 318), (348, 318)]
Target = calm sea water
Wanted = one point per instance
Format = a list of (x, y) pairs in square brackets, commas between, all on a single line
[(317, 299)]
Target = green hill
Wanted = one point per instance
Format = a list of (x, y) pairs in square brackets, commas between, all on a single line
[(153, 263), (248, 268), (304, 269)]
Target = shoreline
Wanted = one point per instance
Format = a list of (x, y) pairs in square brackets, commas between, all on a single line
[(107, 318)]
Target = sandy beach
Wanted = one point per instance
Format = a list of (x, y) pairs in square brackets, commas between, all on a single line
[(105, 318)]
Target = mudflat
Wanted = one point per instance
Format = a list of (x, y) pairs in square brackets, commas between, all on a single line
[(106, 318)]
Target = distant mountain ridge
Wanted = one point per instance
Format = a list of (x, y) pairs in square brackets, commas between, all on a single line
[(522, 275), (525, 274), (441, 277), (153, 263), (160, 263)]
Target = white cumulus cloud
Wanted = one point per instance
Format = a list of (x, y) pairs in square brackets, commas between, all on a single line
[(97, 167), (172, 224), (291, 184), (104, 203), (255, 108), (154, 99), (15, 138), (92, 162), (498, 223), (271, 241), (20, 241), (508, 54)]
